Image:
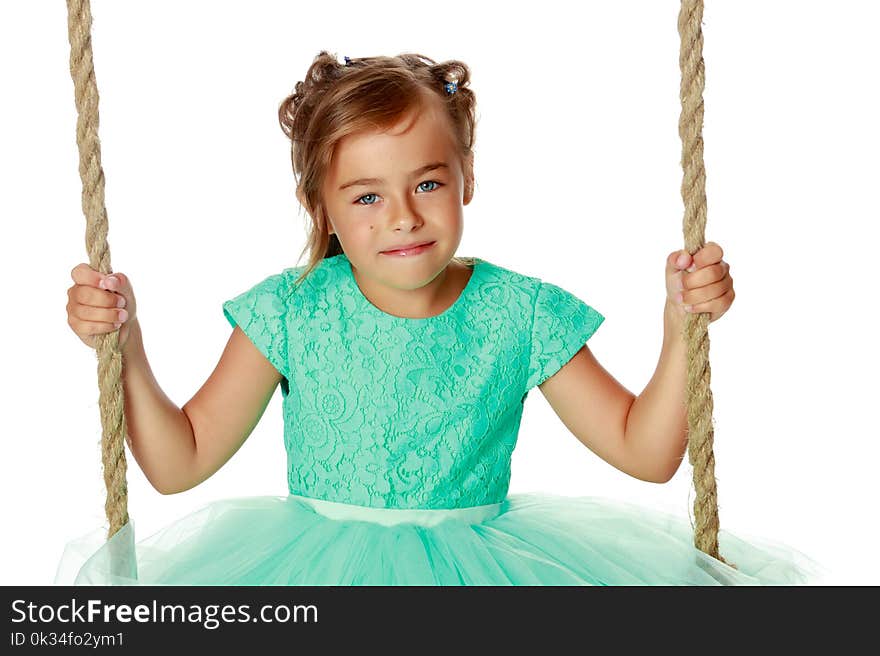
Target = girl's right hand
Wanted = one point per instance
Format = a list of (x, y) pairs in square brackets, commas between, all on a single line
[(95, 302)]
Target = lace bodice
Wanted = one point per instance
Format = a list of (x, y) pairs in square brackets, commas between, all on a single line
[(395, 412)]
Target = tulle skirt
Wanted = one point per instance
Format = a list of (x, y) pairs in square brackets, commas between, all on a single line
[(528, 539)]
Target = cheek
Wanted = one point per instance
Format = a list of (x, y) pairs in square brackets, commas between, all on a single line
[(455, 218), (364, 234)]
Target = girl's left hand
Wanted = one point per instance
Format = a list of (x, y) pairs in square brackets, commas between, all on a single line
[(699, 284)]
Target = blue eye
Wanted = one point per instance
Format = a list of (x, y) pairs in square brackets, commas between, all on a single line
[(434, 182)]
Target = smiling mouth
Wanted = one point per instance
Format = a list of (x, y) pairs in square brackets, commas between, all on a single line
[(414, 250)]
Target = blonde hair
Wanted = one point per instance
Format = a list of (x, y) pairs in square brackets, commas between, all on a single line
[(368, 93)]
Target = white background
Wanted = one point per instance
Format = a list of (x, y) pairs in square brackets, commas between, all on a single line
[(578, 175)]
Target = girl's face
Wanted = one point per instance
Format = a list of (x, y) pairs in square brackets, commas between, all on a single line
[(380, 194)]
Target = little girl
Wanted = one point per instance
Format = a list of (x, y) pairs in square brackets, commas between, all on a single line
[(403, 372)]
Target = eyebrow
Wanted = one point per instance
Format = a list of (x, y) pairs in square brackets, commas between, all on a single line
[(369, 181)]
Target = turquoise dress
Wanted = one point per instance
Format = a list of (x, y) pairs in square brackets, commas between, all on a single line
[(399, 434)]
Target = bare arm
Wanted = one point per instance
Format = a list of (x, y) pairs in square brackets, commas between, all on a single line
[(159, 433), (178, 448), (644, 436), (656, 427)]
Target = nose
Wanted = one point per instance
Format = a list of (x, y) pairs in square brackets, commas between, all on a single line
[(403, 215)]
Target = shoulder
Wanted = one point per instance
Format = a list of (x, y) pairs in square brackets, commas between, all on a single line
[(548, 292), (325, 273), (501, 292), (284, 289), (532, 290), (298, 282), (493, 272), (551, 306)]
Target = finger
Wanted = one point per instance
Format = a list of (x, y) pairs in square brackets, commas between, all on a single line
[(89, 328), (707, 255), (711, 253), (117, 282), (83, 274), (89, 313), (705, 294), (87, 295), (88, 280), (110, 281), (716, 307), (706, 276), (677, 260)]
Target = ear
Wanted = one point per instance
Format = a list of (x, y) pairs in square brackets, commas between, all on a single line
[(468, 179), (329, 223), (301, 198)]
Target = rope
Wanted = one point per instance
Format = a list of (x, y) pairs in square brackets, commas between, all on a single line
[(701, 432), (111, 399)]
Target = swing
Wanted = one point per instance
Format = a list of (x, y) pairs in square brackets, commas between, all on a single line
[(111, 399)]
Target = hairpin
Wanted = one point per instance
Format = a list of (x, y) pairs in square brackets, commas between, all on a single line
[(347, 61)]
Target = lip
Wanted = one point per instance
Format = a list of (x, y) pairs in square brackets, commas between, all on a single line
[(412, 250)]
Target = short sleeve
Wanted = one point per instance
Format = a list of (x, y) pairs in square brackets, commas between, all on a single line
[(561, 324), (261, 313)]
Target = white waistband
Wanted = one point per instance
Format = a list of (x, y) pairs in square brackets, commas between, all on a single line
[(392, 516)]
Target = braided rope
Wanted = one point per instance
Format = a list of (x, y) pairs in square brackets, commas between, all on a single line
[(111, 400), (701, 432)]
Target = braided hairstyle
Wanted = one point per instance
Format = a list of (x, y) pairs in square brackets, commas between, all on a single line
[(368, 93)]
